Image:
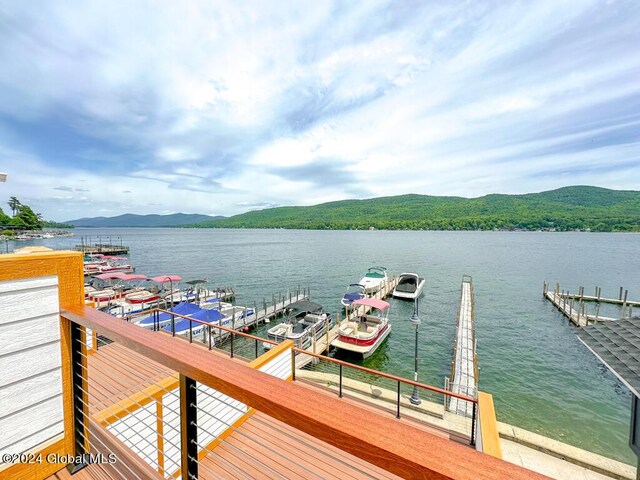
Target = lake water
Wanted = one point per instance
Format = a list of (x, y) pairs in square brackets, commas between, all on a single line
[(542, 378)]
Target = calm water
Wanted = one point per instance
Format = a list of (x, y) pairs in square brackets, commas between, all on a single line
[(542, 378)]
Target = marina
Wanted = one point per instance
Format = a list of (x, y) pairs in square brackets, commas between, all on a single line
[(442, 256)]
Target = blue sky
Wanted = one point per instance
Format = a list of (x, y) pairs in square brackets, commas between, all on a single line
[(223, 107)]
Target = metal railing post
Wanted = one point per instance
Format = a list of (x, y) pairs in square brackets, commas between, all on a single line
[(209, 336), (256, 340), (232, 336), (190, 330), (473, 425), (340, 391), (188, 428), (173, 325), (293, 365), (78, 382), (398, 402)]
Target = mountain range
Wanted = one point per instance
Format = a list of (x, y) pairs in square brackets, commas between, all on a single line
[(133, 220), (567, 208)]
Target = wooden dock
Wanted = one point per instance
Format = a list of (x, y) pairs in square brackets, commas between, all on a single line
[(464, 366), (104, 249), (323, 342), (574, 305), (279, 303)]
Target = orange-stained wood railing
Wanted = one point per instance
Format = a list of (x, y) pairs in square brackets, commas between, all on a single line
[(394, 446)]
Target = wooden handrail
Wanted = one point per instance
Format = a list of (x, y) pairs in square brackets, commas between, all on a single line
[(392, 445)]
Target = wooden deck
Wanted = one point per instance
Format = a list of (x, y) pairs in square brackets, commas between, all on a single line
[(261, 447), (266, 448)]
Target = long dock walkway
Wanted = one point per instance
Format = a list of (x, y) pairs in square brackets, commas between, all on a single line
[(464, 367), (574, 305)]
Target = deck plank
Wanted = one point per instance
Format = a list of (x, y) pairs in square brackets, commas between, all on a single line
[(288, 452)]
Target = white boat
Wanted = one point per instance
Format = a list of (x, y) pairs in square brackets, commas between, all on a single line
[(374, 279), (355, 291), (363, 334), (409, 286), (307, 321)]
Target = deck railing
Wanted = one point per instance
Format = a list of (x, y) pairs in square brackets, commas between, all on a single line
[(237, 389), (394, 394)]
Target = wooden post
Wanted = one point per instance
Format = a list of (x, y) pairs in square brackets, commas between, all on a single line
[(314, 341), (255, 313), (599, 291), (597, 310), (624, 304), (327, 328), (620, 295), (544, 289), (557, 288)]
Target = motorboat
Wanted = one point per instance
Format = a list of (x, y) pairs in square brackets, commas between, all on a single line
[(239, 315), (355, 291), (374, 279), (306, 321), (409, 286), (363, 333)]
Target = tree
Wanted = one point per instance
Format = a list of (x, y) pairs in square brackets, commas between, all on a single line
[(14, 204), (4, 219), (27, 219)]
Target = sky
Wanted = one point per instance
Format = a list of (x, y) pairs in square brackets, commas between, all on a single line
[(223, 107)]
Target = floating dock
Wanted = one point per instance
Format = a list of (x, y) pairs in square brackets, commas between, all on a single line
[(574, 305), (104, 249), (464, 366)]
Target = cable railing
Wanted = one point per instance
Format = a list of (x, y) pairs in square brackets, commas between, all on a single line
[(400, 396), (173, 410)]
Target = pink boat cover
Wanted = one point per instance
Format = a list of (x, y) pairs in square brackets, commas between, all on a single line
[(166, 278), (121, 276), (372, 302)]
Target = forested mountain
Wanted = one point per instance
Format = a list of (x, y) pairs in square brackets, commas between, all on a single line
[(567, 208), (132, 220)]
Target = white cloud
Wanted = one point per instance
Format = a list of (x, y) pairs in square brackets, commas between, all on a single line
[(203, 103)]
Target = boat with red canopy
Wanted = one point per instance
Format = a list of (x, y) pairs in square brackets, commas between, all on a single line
[(363, 333)]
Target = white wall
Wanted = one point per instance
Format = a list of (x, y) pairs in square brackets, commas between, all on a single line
[(279, 366), (30, 379)]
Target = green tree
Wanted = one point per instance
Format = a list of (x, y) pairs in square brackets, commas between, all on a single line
[(4, 219), (27, 218), (14, 203)]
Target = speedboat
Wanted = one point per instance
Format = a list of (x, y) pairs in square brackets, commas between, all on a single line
[(363, 334), (374, 279), (355, 291), (307, 320), (238, 315), (409, 286)]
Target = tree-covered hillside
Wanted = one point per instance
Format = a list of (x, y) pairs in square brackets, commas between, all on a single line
[(568, 208)]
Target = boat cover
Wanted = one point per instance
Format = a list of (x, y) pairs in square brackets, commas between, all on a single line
[(306, 306), (182, 324), (183, 308), (372, 302), (112, 275), (166, 278)]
